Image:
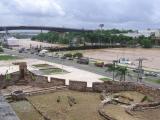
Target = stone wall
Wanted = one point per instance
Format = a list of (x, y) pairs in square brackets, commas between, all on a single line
[(148, 90), (78, 85), (13, 78), (109, 86), (57, 82), (42, 81), (113, 86)]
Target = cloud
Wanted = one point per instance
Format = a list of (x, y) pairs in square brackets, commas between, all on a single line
[(81, 13)]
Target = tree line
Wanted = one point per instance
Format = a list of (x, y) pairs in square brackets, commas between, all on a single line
[(103, 37)]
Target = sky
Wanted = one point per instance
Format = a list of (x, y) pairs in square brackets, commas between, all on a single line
[(122, 14)]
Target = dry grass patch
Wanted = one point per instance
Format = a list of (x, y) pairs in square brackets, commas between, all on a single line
[(84, 109)]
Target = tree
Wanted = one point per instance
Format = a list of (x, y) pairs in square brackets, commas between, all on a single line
[(1, 49), (146, 43), (122, 72), (112, 68)]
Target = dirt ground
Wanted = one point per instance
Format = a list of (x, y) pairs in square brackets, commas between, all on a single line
[(118, 111), (85, 109), (25, 111), (152, 55)]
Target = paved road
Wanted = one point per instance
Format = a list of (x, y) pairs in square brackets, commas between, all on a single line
[(90, 67)]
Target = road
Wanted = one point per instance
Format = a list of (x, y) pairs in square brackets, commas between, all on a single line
[(90, 67)]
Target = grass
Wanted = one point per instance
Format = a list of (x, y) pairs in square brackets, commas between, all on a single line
[(105, 79), (42, 65), (25, 111), (153, 81), (52, 71), (84, 109), (7, 57)]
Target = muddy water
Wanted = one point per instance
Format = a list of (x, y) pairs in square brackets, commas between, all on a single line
[(25, 111), (152, 55)]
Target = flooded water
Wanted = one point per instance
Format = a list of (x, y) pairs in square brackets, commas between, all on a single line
[(152, 56)]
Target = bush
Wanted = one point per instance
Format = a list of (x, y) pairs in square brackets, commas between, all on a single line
[(79, 55), (1, 49), (147, 43), (68, 55)]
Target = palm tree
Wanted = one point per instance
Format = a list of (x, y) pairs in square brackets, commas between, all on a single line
[(112, 68), (122, 72)]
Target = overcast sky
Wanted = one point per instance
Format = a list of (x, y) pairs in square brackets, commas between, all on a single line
[(126, 14)]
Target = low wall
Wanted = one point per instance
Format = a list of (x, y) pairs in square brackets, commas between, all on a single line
[(113, 86), (78, 85), (42, 81), (13, 78), (57, 81), (109, 86), (148, 90)]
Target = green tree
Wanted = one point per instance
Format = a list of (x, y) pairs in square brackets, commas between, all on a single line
[(146, 43), (112, 68), (122, 72)]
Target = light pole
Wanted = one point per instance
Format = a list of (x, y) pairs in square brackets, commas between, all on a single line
[(101, 27)]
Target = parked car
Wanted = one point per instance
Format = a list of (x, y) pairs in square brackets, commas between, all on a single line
[(41, 54), (69, 58), (63, 57), (32, 52), (99, 63), (154, 74), (21, 50), (108, 64), (83, 60), (137, 70)]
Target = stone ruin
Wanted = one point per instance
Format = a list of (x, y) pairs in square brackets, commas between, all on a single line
[(22, 69)]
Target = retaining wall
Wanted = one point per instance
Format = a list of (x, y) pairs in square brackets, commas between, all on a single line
[(78, 85), (109, 86), (13, 78), (113, 86)]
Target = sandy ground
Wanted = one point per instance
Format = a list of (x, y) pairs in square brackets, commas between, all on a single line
[(108, 55), (28, 42), (74, 73)]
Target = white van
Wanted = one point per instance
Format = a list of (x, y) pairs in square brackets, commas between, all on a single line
[(42, 53)]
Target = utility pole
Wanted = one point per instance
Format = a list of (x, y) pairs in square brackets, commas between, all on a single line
[(101, 26), (114, 65), (140, 69), (6, 36)]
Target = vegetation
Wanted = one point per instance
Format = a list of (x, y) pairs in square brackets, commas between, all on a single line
[(147, 43), (42, 65), (104, 37), (68, 55), (7, 57), (112, 68), (78, 55), (51, 71), (153, 81), (105, 79), (122, 72), (119, 71), (1, 49)]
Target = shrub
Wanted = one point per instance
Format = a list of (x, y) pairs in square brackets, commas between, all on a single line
[(79, 55), (68, 55), (1, 49), (147, 43)]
